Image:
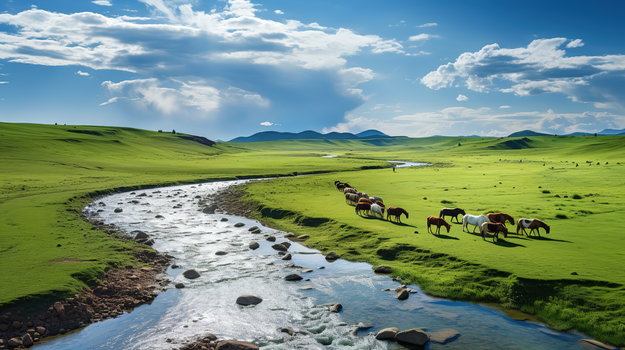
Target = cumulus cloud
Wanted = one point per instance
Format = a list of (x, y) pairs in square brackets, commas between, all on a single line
[(422, 37), (82, 73), (462, 97), (427, 25), (279, 12), (266, 123), (575, 43), (387, 46), (102, 2), (539, 68), (504, 107), (356, 75)]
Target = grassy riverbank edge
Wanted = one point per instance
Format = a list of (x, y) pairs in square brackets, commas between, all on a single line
[(589, 307)]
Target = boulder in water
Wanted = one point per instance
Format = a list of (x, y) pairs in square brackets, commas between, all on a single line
[(239, 224), (254, 245), (221, 252), (279, 247), (445, 336), (118, 210), (332, 256), (413, 337), (248, 300), (191, 274), (293, 277), (287, 257), (383, 269), (235, 345), (387, 333), (336, 307)]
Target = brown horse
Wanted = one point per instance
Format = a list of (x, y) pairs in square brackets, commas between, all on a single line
[(433, 220), (365, 200), (500, 217), (532, 224), (452, 212), (494, 228), (396, 212), (366, 207)]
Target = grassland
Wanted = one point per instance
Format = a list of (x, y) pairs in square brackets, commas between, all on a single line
[(571, 278), (49, 173)]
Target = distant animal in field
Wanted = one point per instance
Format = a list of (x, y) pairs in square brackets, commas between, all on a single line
[(376, 199), (500, 217), (362, 195), (532, 224), (494, 228), (396, 213), (349, 190), (380, 204), (376, 210), (476, 220), (451, 212), (438, 222), (339, 186), (365, 200), (351, 198), (366, 207)]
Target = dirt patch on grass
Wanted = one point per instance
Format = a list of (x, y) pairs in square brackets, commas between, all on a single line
[(65, 260)]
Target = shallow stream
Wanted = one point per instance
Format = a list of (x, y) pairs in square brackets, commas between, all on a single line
[(207, 304)]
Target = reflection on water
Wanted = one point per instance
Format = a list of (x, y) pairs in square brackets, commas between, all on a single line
[(404, 164), (207, 304)]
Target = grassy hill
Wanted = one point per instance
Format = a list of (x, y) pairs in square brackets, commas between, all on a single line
[(49, 173)]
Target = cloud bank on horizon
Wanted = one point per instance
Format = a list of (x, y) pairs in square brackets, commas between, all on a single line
[(225, 69)]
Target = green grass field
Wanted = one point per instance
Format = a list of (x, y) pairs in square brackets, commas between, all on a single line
[(50, 173)]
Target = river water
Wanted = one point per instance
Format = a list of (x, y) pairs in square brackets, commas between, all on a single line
[(207, 304)]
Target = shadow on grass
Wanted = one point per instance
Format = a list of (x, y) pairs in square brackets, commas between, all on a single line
[(503, 243), (371, 217), (542, 238), (442, 236)]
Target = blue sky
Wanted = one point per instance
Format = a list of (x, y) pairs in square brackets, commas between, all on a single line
[(223, 69)]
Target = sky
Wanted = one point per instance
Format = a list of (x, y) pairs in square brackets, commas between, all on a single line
[(223, 69)]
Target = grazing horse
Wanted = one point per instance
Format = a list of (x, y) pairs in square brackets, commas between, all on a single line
[(351, 198), (433, 220), (376, 210), (396, 212), (500, 217), (349, 190), (451, 212), (495, 228), (362, 195), (366, 207), (473, 220), (532, 224), (365, 200), (376, 199)]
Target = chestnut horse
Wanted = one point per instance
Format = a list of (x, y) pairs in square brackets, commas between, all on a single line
[(451, 212), (433, 220), (396, 212), (495, 228), (365, 200), (532, 224), (500, 217), (366, 207)]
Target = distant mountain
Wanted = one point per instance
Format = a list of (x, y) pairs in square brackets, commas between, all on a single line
[(611, 132), (526, 133), (306, 135)]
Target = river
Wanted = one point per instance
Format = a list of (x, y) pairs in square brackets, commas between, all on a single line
[(174, 218)]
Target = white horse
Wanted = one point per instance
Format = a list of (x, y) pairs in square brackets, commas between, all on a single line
[(476, 220), (377, 209)]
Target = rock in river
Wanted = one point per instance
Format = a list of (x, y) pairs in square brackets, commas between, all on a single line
[(239, 224), (191, 274), (279, 247), (444, 336), (412, 336), (387, 333), (332, 256), (336, 307), (248, 300), (235, 345), (293, 277), (254, 245), (383, 269)]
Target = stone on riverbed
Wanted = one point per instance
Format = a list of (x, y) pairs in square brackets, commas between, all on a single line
[(280, 247), (235, 345), (401, 293), (239, 224), (383, 269), (287, 257), (336, 307), (179, 285), (271, 239), (254, 245), (412, 336), (445, 336), (191, 274), (303, 237), (387, 333), (118, 210), (221, 252), (248, 300), (293, 277), (332, 256)]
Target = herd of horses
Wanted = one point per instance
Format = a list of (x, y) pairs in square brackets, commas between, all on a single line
[(493, 223)]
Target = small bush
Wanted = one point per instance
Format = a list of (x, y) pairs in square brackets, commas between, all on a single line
[(577, 196), (546, 191), (561, 216)]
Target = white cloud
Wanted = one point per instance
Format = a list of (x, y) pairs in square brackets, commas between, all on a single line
[(82, 73), (427, 25), (575, 43), (387, 46), (420, 53), (462, 97), (504, 107), (4, 82), (266, 123), (537, 69), (422, 37), (102, 2), (111, 100), (279, 12), (356, 75)]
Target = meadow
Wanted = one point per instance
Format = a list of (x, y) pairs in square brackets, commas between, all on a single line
[(571, 278)]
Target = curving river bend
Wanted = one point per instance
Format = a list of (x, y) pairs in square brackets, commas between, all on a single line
[(207, 304)]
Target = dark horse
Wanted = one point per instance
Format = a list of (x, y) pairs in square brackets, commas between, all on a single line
[(396, 212), (452, 212), (500, 217), (366, 207), (438, 222), (495, 228)]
